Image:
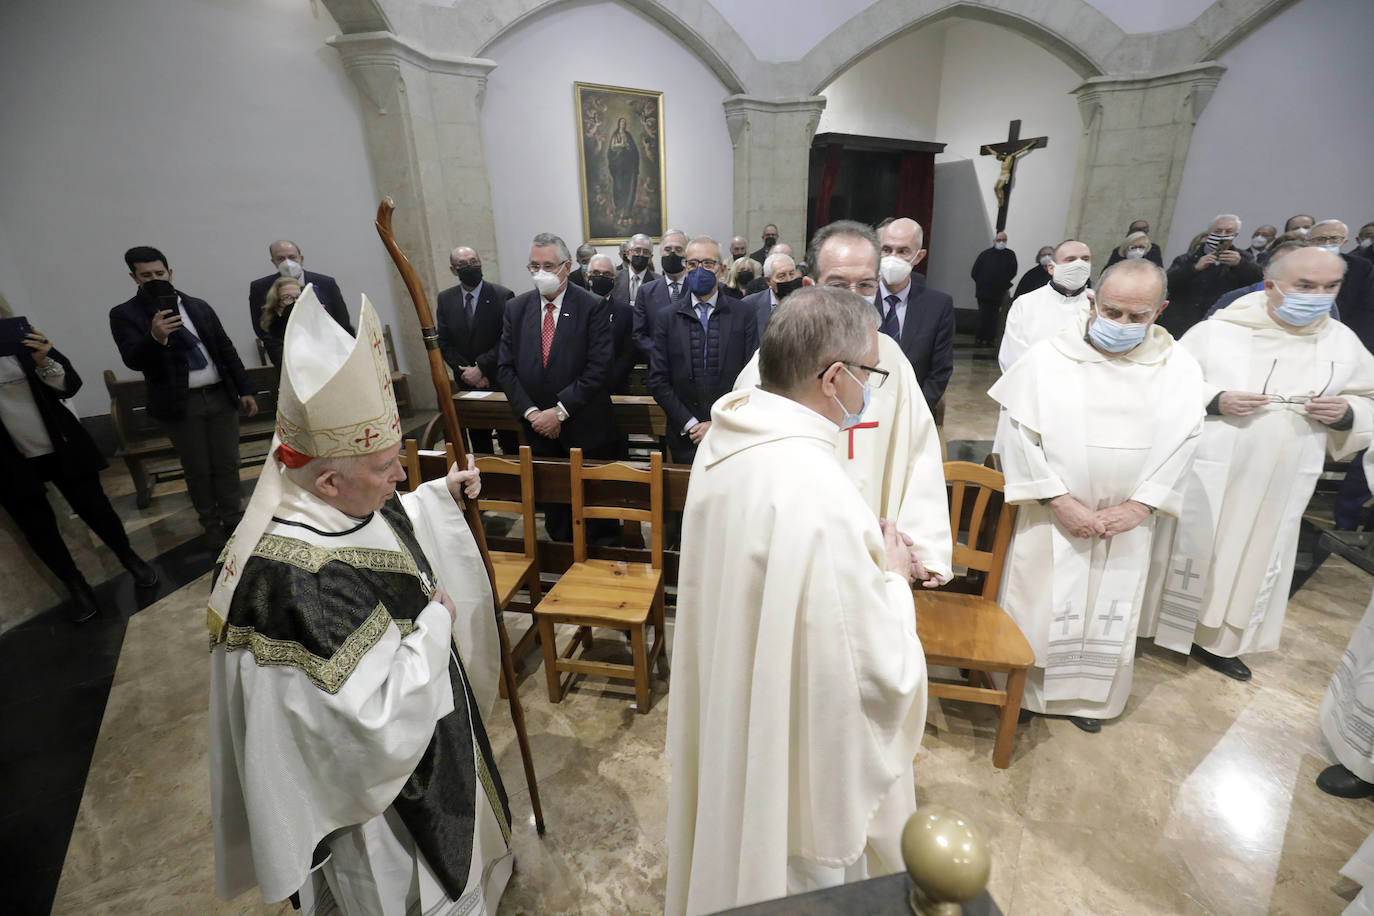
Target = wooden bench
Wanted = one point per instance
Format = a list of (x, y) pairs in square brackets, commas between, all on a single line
[(148, 453)]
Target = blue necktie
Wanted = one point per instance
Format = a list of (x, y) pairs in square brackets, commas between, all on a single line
[(702, 308), (674, 291), (890, 327)]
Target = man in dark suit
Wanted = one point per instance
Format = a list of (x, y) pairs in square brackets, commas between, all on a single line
[(287, 258), (770, 238), (780, 279), (919, 318), (1364, 243), (601, 281), (658, 295), (700, 346), (629, 281), (584, 255), (469, 321), (760, 283), (993, 272), (196, 384), (556, 351)]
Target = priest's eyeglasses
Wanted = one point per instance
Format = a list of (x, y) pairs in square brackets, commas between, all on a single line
[(1296, 399), (876, 377)]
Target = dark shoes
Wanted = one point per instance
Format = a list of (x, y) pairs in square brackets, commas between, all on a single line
[(1338, 781), (145, 576), (83, 605), (1091, 726), (1231, 667)]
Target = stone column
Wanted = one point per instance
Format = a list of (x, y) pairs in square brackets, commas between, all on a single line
[(1136, 133), (422, 116), (772, 141)]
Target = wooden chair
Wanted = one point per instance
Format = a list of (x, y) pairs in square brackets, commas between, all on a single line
[(607, 593), (970, 631), (514, 571)]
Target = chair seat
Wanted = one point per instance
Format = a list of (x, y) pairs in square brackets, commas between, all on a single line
[(510, 571), (969, 631), (608, 591)]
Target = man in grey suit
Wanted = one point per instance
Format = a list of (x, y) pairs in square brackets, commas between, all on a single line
[(781, 279), (629, 281)]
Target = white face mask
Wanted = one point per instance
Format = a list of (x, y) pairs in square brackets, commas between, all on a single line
[(290, 268), (1072, 275), (1303, 230), (1366, 242), (894, 270), (999, 245), (1259, 242), (1046, 260), (1135, 252), (547, 283)]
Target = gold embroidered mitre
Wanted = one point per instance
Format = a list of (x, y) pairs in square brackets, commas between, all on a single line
[(336, 399)]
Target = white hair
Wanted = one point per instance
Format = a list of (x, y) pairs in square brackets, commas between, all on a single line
[(1345, 230), (601, 257), (1227, 216), (306, 475), (771, 262), (545, 239)]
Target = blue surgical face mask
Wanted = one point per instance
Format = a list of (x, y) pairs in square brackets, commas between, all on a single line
[(1334, 249), (700, 282), (851, 420), (1304, 308), (1115, 337)]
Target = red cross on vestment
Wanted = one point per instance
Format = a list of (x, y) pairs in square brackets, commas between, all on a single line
[(367, 437), (872, 424)]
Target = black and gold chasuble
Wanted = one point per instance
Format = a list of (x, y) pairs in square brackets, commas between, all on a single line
[(320, 609)]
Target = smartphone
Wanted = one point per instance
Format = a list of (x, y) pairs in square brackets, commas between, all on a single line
[(12, 333), (168, 303), (1223, 246)]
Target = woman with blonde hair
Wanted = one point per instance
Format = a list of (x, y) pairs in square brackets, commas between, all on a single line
[(281, 299), (43, 442), (740, 273)]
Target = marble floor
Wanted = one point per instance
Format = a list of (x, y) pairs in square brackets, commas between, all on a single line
[(1199, 799)]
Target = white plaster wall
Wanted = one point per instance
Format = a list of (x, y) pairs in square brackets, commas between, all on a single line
[(893, 92), (206, 129), (529, 123), (1290, 128)]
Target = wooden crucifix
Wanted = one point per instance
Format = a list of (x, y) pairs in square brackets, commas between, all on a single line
[(1007, 153)]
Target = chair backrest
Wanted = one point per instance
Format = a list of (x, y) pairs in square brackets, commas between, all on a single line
[(980, 521), (410, 460), (622, 471), (523, 469)]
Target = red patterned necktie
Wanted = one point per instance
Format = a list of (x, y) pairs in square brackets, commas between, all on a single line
[(546, 336)]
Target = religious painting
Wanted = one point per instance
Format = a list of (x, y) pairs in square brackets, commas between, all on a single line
[(620, 153)]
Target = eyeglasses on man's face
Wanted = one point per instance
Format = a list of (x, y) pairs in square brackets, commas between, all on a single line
[(865, 288), (551, 267), (876, 377), (708, 263)]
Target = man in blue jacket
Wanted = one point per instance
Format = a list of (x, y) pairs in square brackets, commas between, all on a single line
[(196, 384)]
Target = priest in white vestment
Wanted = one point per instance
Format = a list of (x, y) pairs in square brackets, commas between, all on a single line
[(1040, 313), (1286, 385), (353, 656), (894, 456), (799, 683), (1103, 422)]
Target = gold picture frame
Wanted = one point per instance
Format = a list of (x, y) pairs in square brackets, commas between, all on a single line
[(620, 141)]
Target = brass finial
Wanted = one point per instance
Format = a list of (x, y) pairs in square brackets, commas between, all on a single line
[(947, 860)]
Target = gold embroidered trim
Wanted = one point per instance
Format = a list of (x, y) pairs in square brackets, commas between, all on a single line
[(405, 626), (489, 786), (312, 558), (328, 674)]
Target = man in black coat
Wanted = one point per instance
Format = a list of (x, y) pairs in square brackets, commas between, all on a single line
[(584, 255), (919, 318), (196, 384), (700, 346), (1037, 276), (1200, 277), (601, 275), (469, 319), (992, 273), (658, 295), (780, 280), (770, 238), (1364, 243), (629, 282), (287, 258), (556, 353)]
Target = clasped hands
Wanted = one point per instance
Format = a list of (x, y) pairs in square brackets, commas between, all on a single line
[(903, 561), (1325, 410), (546, 422), (1082, 522)]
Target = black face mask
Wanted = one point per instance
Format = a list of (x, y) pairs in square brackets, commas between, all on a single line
[(470, 276), (601, 285), (639, 262), (155, 289), (744, 278), (671, 263), (769, 241), (788, 287)]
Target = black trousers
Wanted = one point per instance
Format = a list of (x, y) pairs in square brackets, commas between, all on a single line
[(989, 308), (207, 442), (31, 511), (558, 517)]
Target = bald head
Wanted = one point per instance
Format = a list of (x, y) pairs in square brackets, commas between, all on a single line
[(282, 249), (903, 238), (739, 247), (1305, 270), (465, 264)]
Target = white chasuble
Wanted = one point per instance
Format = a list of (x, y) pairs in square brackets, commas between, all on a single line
[(799, 684), (1347, 710), (1105, 430), (1038, 315), (895, 458), (1360, 869), (1221, 573)]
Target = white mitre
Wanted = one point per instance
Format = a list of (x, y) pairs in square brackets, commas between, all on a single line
[(335, 401)]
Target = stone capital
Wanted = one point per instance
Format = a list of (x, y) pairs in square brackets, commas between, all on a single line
[(1200, 81), (374, 47)]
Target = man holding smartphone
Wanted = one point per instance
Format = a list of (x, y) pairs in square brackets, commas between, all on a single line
[(196, 384), (1199, 277)]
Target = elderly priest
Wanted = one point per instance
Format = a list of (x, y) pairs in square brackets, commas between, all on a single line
[(799, 685), (1285, 386), (350, 769), (1103, 419)]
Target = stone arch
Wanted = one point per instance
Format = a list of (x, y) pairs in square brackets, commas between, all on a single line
[(688, 22), (1227, 24), (1072, 30)]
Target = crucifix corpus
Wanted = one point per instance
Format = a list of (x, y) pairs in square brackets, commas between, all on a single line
[(1007, 153)]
